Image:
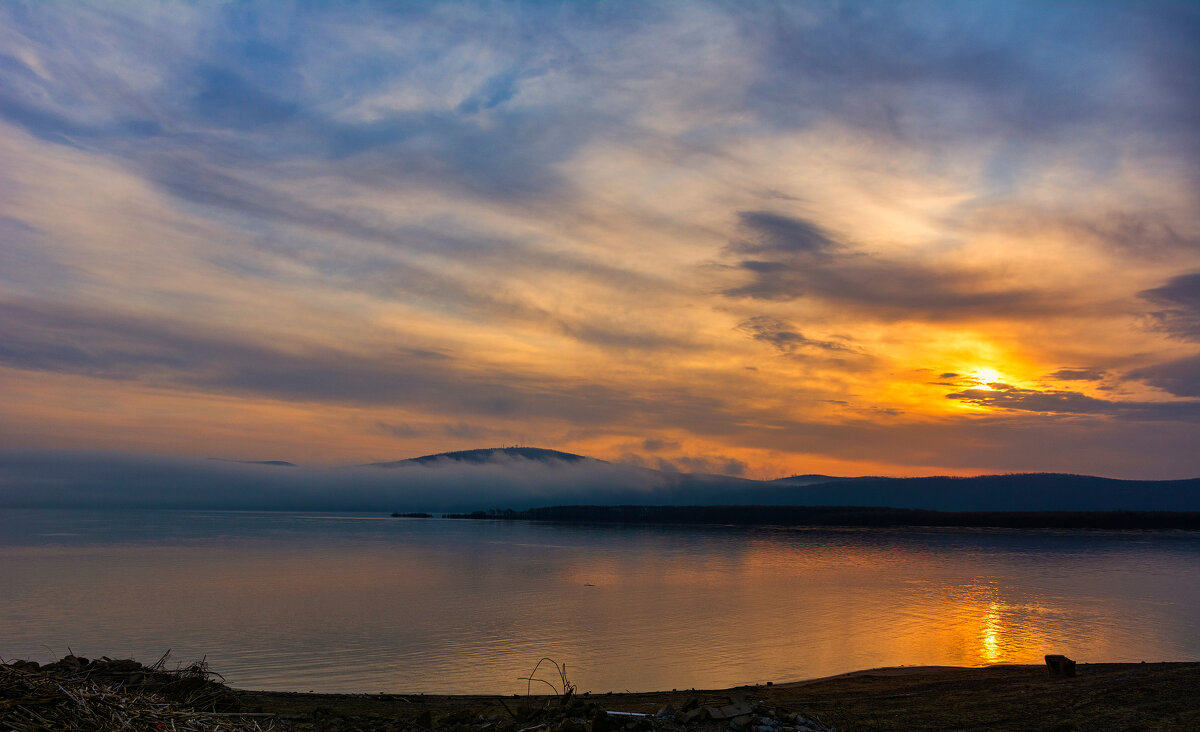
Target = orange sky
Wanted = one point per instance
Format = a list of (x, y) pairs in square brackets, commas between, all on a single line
[(748, 239)]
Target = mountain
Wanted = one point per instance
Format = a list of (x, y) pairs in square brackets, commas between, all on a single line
[(810, 479), (273, 463), (489, 454), (527, 477), (1011, 492), (644, 486)]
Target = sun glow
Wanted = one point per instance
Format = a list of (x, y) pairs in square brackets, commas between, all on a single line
[(985, 377)]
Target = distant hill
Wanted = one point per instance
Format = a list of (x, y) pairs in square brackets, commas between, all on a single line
[(529, 477), (845, 516), (489, 454), (274, 463), (810, 479), (1010, 492)]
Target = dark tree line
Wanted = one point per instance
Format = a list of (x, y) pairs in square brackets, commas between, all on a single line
[(868, 516)]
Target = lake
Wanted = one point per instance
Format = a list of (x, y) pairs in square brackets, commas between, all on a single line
[(354, 602)]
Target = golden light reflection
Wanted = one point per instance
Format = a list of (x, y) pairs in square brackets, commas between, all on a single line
[(863, 605), (989, 647), (993, 631)]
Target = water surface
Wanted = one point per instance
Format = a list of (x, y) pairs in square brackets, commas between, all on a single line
[(367, 603)]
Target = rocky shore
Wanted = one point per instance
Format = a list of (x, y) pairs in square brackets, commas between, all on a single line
[(81, 694)]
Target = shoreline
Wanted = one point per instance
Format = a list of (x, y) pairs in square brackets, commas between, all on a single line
[(833, 517), (1158, 696), (998, 697)]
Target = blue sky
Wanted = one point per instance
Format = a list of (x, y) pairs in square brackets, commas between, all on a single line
[(758, 238)]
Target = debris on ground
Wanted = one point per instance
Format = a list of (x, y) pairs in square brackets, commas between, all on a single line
[(76, 693)]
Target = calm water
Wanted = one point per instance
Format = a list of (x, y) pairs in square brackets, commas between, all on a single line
[(366, 603)]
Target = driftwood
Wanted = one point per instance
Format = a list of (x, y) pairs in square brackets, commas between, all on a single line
[(105, 694)]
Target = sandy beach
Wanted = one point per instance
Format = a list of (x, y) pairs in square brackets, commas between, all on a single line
[(78, 693), (1104, 696)]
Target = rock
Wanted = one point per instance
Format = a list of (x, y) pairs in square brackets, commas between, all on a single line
[(1060, 666), (602, 723), (25, 665), (695, 714), (742, 721), (729, 711)]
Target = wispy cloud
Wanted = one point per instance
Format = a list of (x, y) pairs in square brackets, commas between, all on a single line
[(714, 235), (1180, 303), (791, 258), (783, 335)]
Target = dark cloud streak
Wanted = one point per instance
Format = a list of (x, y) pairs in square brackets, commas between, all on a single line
[(783, 335), (1180, 303), (184, 356), (1071, 403), (1180, 377), (795, 258)]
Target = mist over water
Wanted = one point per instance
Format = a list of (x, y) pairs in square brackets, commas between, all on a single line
[(360, 602), (504, 480), (53, 479)]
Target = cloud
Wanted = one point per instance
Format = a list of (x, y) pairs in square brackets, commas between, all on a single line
[(464, 431), (226, 99), (1002, 72), (399, 430), (654, 445), (1077, 374), (1180, 377), (1066, 403), (793, 258), (772, 234), (1180, 303), (1142, 234), (190, 357), (783, 336), (477, 213), (706, 465)]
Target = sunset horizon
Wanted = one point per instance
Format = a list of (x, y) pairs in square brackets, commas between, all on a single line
[(583, 365), (762, 239)]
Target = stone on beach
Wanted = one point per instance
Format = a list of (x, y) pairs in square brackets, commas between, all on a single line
[(1061, 666)]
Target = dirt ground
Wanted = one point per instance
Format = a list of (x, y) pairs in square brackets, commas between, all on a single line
[(1160, 696)]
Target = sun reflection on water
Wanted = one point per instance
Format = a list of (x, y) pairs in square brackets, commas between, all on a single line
[(989, 647), (1000, 632), (448, 606)]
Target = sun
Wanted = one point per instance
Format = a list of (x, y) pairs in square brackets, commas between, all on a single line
[(985, 377)]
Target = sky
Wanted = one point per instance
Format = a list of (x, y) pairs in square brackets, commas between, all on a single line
[(750, 238)]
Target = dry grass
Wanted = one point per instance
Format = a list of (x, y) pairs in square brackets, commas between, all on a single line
[(105, 694)]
